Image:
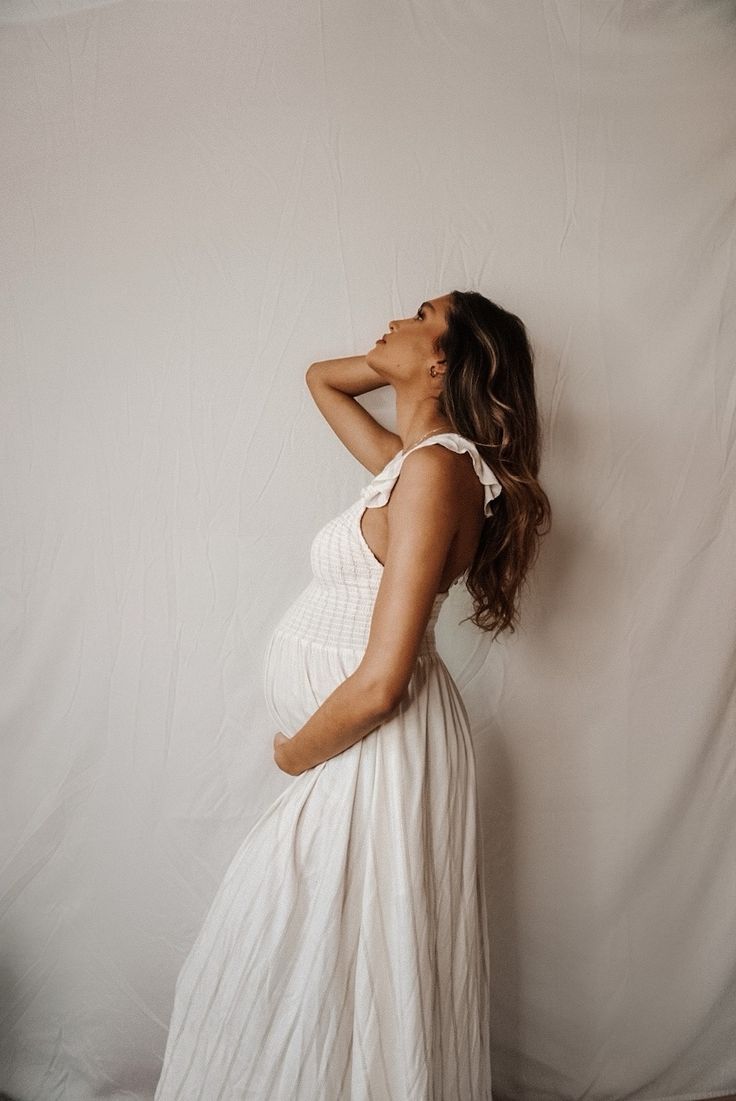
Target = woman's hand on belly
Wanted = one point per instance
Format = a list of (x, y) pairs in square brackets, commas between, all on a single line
[(279, 741)]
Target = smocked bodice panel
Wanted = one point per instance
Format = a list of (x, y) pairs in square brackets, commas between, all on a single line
[(336, 607)]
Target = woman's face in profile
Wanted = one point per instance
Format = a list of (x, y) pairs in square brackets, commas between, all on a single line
[(408, 346)]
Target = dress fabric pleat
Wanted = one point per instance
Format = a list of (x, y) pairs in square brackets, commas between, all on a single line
[(345, 955)]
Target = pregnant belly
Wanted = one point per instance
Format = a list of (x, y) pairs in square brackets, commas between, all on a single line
[(299, 675)]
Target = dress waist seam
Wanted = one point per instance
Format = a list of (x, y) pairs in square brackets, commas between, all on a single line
[(427, 649)]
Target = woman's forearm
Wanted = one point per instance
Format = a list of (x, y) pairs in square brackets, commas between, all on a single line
[(345, 716), (350, 375)]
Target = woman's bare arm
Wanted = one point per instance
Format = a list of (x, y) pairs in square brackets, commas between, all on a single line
[(334, 384), (351, 375)]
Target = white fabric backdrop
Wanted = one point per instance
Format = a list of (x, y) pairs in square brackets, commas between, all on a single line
[(200, 199)]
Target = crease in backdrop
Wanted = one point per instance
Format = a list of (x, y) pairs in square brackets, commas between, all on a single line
[(200, 199)]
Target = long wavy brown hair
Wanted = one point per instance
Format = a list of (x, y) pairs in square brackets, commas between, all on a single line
[(489, 396)]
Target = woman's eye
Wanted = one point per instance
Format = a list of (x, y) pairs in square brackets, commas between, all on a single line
[(420, 315)]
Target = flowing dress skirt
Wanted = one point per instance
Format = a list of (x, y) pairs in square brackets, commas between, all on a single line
[(345, 954)]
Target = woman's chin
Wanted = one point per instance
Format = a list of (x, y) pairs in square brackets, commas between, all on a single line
[(373, 359)]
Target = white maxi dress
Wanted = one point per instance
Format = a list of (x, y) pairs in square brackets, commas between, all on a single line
[(345, 955)]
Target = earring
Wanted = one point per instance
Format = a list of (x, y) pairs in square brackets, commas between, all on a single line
[(432, 371)]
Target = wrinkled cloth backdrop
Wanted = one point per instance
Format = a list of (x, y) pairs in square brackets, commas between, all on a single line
[(200, 199)]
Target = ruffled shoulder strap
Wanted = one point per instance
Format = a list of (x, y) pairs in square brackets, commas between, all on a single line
[(378, 491)]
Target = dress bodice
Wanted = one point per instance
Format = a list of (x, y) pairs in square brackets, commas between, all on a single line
[(336, 607)]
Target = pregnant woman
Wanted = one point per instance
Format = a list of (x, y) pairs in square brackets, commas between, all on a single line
[(345, 956)]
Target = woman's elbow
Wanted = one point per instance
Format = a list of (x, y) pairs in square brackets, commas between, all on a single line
[(382, 694)]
